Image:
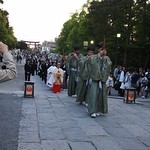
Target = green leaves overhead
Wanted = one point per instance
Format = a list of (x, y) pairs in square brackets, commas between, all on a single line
[(130, 18), (1, 1), (6, 31)]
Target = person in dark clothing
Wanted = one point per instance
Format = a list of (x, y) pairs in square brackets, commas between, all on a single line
[(134, 78), (28, 70), (32, 62), (134, 81), (36, 66), (65, 77), (45, 66)]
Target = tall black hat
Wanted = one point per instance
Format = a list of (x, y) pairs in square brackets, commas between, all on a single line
[(76, 47), (100, 45), (90, 48)]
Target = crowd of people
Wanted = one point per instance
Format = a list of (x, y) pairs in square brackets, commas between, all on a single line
[(90, 77), (50, 70), (83, 76), (137, 78)]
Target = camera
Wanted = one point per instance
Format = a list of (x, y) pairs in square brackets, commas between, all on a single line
[(3, 67)]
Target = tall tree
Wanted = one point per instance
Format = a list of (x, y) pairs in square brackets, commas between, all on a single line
[(142, 34), (1, 1), (69, 35), (6, 31), (130, 18)]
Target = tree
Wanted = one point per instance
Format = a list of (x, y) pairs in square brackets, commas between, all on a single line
[(21, 45), (142, 31), (6, 31), (69, 35), (1, 1), (130, 18)]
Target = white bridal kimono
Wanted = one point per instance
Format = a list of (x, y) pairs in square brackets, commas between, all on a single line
[(50, 76)]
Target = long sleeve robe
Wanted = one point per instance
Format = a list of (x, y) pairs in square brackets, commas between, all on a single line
[(10, 72), (82, 79), (98, 71), (72, 66)]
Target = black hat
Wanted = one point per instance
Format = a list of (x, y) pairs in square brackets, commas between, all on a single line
[(100, 45), (90, 48), (76, 47)]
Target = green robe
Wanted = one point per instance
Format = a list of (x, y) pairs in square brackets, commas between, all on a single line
[(82, 79), (106, 66), (94, 92), (72, 66), (98, 71)]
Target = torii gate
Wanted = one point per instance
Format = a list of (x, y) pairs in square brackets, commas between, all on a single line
[(32, 43)]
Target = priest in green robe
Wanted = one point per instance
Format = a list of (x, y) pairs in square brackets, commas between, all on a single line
[(98, 67), (105, 71), (83, 76), (72, 66), (94, 80)]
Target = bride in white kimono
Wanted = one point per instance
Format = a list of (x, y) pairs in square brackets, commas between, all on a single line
[(50, 75)]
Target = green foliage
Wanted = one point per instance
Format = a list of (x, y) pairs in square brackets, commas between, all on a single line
[(130, 18), (6, 31), (21, 45), (1, 1)]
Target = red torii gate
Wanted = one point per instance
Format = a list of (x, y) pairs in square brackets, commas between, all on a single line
[(32, 43)]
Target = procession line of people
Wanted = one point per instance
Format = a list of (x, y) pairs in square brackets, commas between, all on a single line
[(87, 78)]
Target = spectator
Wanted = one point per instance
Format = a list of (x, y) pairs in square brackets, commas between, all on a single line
[(144, 82), (10, 71), (110, 84), (28, 70), (134, 78)]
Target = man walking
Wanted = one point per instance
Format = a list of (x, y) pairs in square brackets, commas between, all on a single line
[(82, 83), (72, 66)]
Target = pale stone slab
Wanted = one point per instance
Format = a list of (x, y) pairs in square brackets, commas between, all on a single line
[(26, 137), (55, 145), (82, 146), (29, 146)]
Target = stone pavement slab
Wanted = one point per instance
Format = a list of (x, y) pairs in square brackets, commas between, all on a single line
[(60, 123), (55, 121), (10, 115)]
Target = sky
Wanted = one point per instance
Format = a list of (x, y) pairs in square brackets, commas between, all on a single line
[(39, 20)]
